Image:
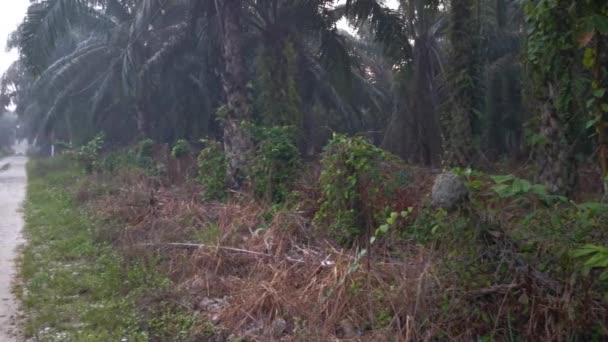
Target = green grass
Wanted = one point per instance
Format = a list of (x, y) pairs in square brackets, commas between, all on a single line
[(76, 288)]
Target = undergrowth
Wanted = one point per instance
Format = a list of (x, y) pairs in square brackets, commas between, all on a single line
[(77, 287), (275, 164), (512, 263), (211, 165), (358, 183)]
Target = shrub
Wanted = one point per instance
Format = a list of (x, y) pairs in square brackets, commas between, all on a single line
[(116, 160), (88, 154), (211, 166), (140, 157), (181, 149), (145, 148), (352, 184), (275, 163)]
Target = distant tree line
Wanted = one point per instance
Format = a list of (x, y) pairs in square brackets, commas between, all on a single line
[(437, 82)]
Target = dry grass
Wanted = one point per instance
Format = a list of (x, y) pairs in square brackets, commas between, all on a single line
[(252, 272), (246, 267)]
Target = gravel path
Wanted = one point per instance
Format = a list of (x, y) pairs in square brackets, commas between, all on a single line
[(12, 193)]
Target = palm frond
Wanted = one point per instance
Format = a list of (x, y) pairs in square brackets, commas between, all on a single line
[(48, 21), (169, 49), (386, 24), (69, 65)]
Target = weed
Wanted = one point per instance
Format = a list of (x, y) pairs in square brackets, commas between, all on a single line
[(88, 154), (181, 149), (211, 165), (352, 183), (275, 163)]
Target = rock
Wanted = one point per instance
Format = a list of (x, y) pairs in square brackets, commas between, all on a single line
[(448, 191), (278, 327), (212, 305), (348, 330)]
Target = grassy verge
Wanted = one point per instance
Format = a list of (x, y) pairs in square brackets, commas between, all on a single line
[(77, 288)]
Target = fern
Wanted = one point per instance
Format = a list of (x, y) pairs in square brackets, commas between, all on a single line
[(594, 257)]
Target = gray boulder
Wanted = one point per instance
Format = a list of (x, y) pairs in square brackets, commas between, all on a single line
[(278, 327), (449, 190)]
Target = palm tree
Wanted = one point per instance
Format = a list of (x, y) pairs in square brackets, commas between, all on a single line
[(305, 29), (417, 89), (552, 62), (458, 117), (112, 57), (237, 142), (74, 49), (502, 111)]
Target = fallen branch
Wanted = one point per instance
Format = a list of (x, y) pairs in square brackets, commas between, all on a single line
[(502, 289), (196, 245)]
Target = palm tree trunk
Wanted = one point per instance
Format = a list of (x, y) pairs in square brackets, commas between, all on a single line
[(237, 141), (601, 126), (458, 131), (554, 83), (142, 120), (557, 163)]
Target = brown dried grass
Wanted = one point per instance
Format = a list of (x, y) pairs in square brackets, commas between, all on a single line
[(255, 272), (283, 271)]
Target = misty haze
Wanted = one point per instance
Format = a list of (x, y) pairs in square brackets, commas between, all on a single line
[(304, 170)]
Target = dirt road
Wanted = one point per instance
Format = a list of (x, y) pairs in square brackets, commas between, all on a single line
[(12, 193)]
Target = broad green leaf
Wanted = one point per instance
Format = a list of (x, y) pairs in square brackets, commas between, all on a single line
[(502, 190), (503, 179), (384, 228), (600, 22), (597, 260), (584, 250), (599, 93), (525, 186)]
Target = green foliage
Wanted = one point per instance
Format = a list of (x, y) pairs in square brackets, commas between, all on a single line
[(511, 186), (594, 257), (277, 97), (275, 163), (390, 222), (211, 164), (115, 160), (139, 157), (88, 154), (351, 183), (550, 38), (143, 154), (429, 226), (145, 148), (181, 149)]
